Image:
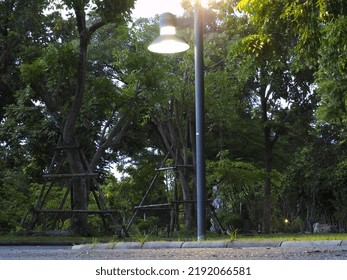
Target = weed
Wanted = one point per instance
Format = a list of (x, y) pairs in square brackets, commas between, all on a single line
[(141, 237), (94, 242), (233, 234), (112, 242)]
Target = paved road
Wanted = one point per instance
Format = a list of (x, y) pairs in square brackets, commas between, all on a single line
[(263, 253)]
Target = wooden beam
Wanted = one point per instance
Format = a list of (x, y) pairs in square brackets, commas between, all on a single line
[(70, 175), (74, 211), (152, 205)]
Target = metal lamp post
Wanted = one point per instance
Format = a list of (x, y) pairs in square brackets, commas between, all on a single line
[(163, 44)]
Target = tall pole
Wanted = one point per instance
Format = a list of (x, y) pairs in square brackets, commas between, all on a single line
[(200, 120)]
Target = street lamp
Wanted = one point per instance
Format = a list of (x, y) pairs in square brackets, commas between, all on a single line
[(168, 41), (163, 44)]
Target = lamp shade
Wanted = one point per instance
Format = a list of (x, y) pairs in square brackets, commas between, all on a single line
[(168, 41), (168, 44)]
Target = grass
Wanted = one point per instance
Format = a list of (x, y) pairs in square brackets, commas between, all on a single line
[(293, 237), (13, 238)]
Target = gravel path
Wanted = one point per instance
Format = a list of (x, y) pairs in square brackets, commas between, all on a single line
[(42, 253)]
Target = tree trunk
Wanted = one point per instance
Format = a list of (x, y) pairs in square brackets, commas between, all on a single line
[(80, 190), (264, 96), (79, 187), (184, 178), (267, 204), (176, 139)]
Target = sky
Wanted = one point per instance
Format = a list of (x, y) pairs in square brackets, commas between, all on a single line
[(150, 8)]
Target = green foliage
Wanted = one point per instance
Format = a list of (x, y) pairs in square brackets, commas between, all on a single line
[(148, 225), (239, 183), (332, 74), (233, 235), (264, 62), (26, 132), (15, 199), (314, 182), (231, 220), (111, 10), (240, 177)]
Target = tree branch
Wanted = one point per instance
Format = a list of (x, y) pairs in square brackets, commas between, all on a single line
[(116, 134)]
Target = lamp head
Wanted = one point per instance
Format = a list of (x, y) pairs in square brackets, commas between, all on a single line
[(168, 41)]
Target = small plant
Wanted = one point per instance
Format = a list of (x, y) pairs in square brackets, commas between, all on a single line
[(141, 237), (94, 242), (233, 234), (112, 242)]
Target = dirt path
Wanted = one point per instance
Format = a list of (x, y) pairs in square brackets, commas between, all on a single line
[(60, 253)]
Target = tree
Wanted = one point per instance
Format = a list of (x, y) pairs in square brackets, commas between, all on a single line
[(320, 28), (331, 77), (58, 77), (88, 79), (237, 183), (20, 23), (265, 56), (315, 180), (173, 116)]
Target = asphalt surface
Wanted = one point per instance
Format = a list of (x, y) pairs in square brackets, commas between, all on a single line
[(324, 250)]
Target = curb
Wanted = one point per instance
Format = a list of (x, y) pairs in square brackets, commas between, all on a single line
[(323, 243), (205, 244), (211, 244), (254, 244), (162, 245), (36, 243)]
